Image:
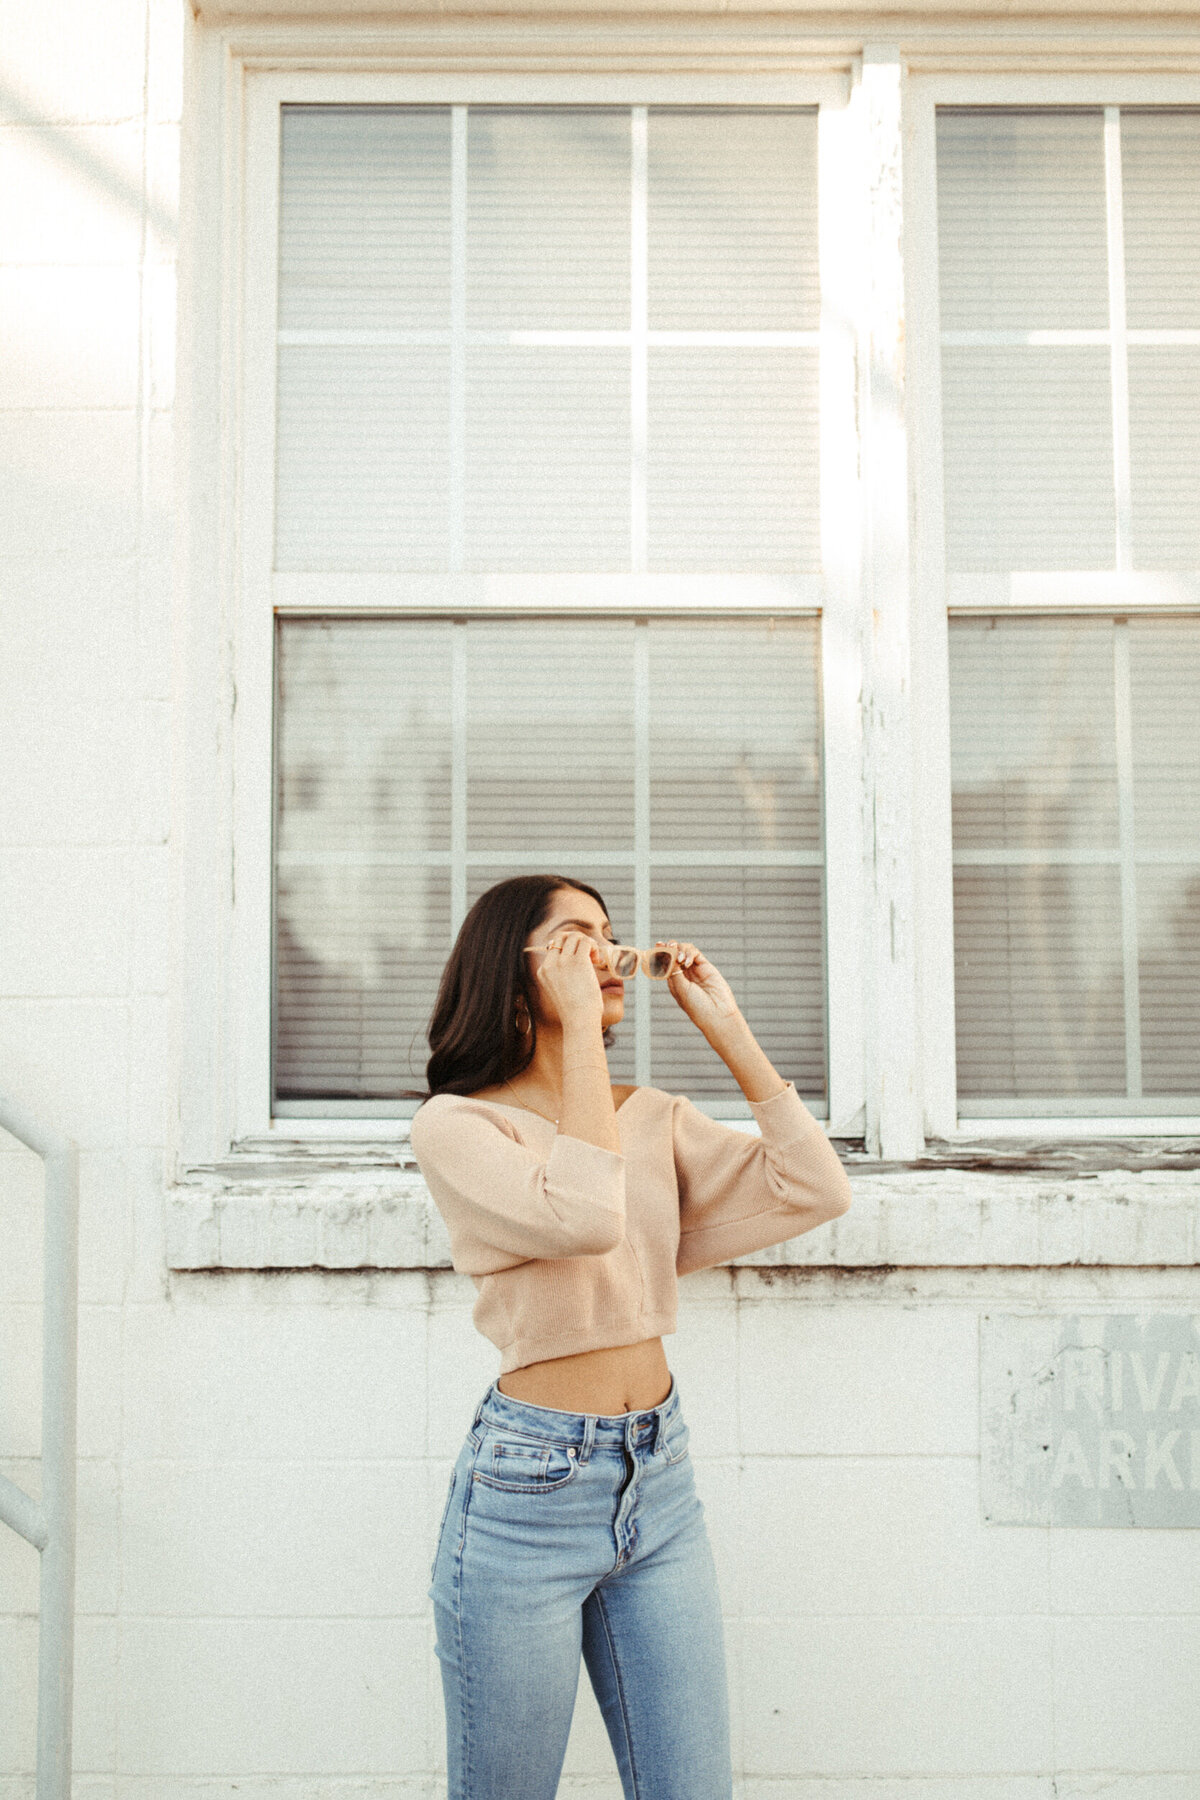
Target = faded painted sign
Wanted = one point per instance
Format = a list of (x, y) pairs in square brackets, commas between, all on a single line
[(1090, 1418)]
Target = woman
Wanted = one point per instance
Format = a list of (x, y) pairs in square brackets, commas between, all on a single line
[(572, 1523)]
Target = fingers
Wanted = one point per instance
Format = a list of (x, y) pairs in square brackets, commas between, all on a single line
[(571, 942), (686, 954)]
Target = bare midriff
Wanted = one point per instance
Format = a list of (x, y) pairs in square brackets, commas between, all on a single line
[(625, 1378)]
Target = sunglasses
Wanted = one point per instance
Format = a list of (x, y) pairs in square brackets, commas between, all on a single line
[(625, 961)]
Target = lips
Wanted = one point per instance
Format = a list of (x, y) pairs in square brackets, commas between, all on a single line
[(612, 987)]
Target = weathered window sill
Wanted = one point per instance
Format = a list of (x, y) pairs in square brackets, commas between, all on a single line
[(1004, 1203)]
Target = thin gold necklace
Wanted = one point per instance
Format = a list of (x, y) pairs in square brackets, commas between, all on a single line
[(541, 1115)]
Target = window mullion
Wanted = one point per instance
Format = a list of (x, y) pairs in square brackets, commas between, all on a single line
[(458, 336), (458, 774), (1122, 695), (1118, 351), (641, 837), (638, 326)]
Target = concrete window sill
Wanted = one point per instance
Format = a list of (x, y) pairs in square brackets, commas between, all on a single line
[(1004, 1203)]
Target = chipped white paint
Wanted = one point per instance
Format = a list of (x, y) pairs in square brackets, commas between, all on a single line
[(893, 1112), (334, 1217)]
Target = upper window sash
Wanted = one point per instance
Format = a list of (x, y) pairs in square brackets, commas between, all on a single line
[(1070, 333)]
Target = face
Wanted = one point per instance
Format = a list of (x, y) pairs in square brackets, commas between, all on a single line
[(571, 909)]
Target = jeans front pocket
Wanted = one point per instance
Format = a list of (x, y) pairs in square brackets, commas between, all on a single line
[(521, 1465)]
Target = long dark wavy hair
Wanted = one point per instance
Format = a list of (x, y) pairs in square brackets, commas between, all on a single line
[(473, 1036)]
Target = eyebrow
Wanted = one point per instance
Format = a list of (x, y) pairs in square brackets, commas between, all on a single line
[(584, 922)]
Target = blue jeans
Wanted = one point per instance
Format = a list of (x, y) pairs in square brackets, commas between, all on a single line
[(565, 1533)]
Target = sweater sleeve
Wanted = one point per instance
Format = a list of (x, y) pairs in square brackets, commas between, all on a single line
[(739, 1193), (502, 1203)]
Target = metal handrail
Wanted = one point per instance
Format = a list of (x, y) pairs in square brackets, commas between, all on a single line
[(50, 1524)]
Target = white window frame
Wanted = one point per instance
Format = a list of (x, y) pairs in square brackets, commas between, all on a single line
[(882, 597), (225, 1097), (1032, 592)]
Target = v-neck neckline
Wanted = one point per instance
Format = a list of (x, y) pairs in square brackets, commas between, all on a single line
[(514, 1107)]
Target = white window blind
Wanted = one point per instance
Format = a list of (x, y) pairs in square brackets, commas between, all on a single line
[(673, 763), (1070, 299), (547, 340), (1075, 747), (1160, 161), (1069, 244)]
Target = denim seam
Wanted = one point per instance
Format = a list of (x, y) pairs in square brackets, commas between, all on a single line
[(612, 1651), (526, 1454), (437, 1542), (458, 1620), (529, 1487), (527, 1437)]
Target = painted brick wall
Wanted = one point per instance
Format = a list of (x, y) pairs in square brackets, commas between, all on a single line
[(264, 1453)]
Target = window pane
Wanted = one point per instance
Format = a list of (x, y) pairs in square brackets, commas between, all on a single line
[(364, 217), (722, 773), (1164, 658), (732, 221), (550, 736), (1027, 428), (734, 736), (1027, 436), (1037, 973), (763, 927), (1038, 984), (1021, 220), (733, 460), (363, 457), (1160, 191), (1076, 860), (362, 799), (1033, 738), (548, 219), (547, 459), (1164, 454), (1160, 197)]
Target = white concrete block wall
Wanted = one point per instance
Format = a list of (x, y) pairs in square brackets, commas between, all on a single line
[(263, 1456)]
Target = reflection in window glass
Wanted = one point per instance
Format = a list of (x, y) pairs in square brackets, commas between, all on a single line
[(1075, 746), (700, 806)]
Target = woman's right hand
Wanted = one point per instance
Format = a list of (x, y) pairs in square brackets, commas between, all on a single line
[(567, 973)]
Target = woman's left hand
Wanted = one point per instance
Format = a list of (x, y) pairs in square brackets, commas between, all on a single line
[(699, 987)]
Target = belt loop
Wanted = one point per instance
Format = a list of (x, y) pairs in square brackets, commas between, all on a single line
[(660, 1413), (589, 1437)]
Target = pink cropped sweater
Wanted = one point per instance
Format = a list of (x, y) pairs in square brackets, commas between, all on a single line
[(573, 1247)]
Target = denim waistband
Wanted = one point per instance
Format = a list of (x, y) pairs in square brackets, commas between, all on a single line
[(645, 1427)]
